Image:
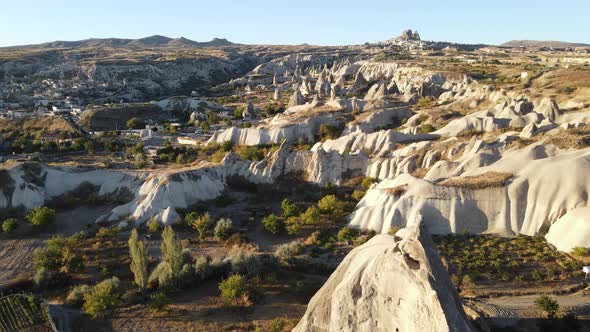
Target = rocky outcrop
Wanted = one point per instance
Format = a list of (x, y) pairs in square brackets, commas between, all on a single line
[(281, 127), (571, 230), (249, 111), (390, 283), (409, 35), (378, 143), (537, 194), (296, 99), (379, 119)]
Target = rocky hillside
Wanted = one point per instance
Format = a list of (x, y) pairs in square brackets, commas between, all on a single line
[(543, 43)]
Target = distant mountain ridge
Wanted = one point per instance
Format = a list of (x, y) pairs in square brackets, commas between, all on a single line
[(151, 41), (542, 43)]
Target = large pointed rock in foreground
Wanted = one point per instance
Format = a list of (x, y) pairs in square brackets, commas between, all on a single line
[(391, 283)]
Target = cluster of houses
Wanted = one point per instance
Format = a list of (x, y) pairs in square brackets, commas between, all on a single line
[(20, 98)]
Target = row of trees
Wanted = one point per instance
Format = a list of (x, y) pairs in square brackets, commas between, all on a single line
[(293, 218), (39, 217)]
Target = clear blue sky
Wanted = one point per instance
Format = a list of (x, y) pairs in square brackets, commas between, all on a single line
[(318, 22)]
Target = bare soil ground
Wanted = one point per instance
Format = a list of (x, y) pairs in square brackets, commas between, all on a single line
[(200, 309), (16, 258)]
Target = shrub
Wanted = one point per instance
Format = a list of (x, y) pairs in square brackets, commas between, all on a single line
[(287, 251), (161, 276), (254, 153), (201, 224), (367, 182), (311, 216), (244, 261), (358, 194), (346, 234), (159, 301), (73, 263), (41, 216), (50, 259), (106, 232), (223, 229), (234, 289), (227, 146), (41, 277), (293, 225), (289, 208), (467, 281), (425, 101), (538, 275), (9, 225), (576, 251), (426, 128), (76, 295), (202, 267), (277, 325), (273, 224), (153, 226), (328, 131), (548, 305), (235, 240), (329, 204), (102, 299)]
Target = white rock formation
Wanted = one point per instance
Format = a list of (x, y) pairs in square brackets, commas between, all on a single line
[(378, 143), (539, 193), (390, 283), (168, 216), (571, 230)]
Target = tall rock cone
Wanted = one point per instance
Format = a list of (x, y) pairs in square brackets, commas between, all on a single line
[(390, 283)]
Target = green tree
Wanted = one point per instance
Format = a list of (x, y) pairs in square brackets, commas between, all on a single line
[(273, 224), (234, 288), (41, 216), (222, 229), (139, 260), (311, 216), (134, 123), (289, 208), (358, 194), (329, 204), (226, 146), (548, 305), (200, 223), (102, 299), (172, 252), (367, 182), (153, 225), (159, 301), (9, 225), (346, 234)]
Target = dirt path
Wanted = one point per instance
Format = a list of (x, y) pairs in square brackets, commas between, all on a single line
[(524, 306)]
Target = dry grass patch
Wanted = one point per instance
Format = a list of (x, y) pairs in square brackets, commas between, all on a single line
[(575, 138), (420, 172), (396, 191), (486, 180)]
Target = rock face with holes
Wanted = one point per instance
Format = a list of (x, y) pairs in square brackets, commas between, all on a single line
[(391, 283)]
